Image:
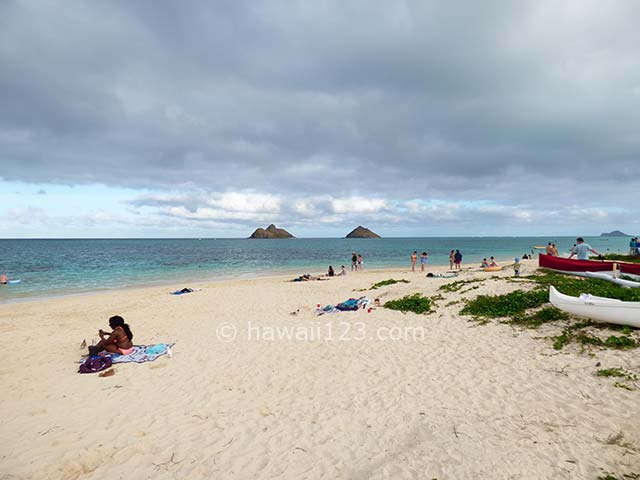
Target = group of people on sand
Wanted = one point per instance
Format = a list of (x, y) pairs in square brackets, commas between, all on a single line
[(356, 261), (332, 273), (424, 256), (551, 250), (455, 259), (490, 263)]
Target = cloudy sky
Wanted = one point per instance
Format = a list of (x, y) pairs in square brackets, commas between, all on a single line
[(211, 118)]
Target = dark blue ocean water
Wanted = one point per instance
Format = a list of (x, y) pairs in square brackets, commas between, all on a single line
[(54, 267)]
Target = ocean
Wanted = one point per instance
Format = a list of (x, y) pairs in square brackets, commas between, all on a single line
[(68, 266)]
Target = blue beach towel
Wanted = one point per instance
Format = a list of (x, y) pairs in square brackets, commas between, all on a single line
[(142, 353)]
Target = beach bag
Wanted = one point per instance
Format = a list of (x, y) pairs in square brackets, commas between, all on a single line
[(95, 364), (348, 305)]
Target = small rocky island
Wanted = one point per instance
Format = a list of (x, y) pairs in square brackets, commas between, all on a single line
[(271, 232), (362, 232), (615, 233)]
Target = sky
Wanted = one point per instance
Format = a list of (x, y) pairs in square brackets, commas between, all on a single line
[(413, 118)]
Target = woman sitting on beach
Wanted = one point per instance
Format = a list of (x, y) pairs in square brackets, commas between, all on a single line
[(484, 263), (118, 341), (331, 272), (493, 263)]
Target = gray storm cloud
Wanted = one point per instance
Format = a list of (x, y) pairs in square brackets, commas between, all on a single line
[(521, 104)]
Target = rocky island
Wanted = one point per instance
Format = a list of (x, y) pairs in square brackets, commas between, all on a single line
[(615, 233), (362, 232), (271, 232)]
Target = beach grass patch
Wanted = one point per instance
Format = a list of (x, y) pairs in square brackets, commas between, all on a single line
[(507, 305), (560, 341), (458, 284), (574, 286), (616, 372), (538, 318), (621, 258), (624, 476), (621, 342), (475, 287), (415, 303), (390, 281), (623, 385)]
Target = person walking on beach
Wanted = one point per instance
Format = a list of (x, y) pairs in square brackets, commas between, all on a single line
[(354, 261), (516, 267), (414, 259), (423, 260), (451, 259), (457, 258), (360, 262), (581, 250)]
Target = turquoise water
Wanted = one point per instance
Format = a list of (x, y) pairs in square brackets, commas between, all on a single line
[(56, 267)]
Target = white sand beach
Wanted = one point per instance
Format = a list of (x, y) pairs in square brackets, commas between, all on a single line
[(462, 402)]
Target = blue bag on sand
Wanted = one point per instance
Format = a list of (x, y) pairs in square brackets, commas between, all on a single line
[(351, 304)]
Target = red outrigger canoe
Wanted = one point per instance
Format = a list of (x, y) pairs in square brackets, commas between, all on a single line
[(570, 265)]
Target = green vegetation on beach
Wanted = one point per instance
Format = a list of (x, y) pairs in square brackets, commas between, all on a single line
[(457, 285), (574, 286), (507, 305), (534, 320), (526, 308), (390, 281), (415, 303), (616, 372), (621, 258)]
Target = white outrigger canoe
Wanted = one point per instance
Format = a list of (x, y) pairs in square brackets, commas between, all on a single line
[(610, 278), (608, 310)]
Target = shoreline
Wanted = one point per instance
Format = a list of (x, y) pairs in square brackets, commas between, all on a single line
[(40, 296)]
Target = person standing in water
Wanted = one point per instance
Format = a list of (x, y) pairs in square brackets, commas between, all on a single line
[(4, 279), (360, 262), (414, 259), (451, 259), (354, 261)]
